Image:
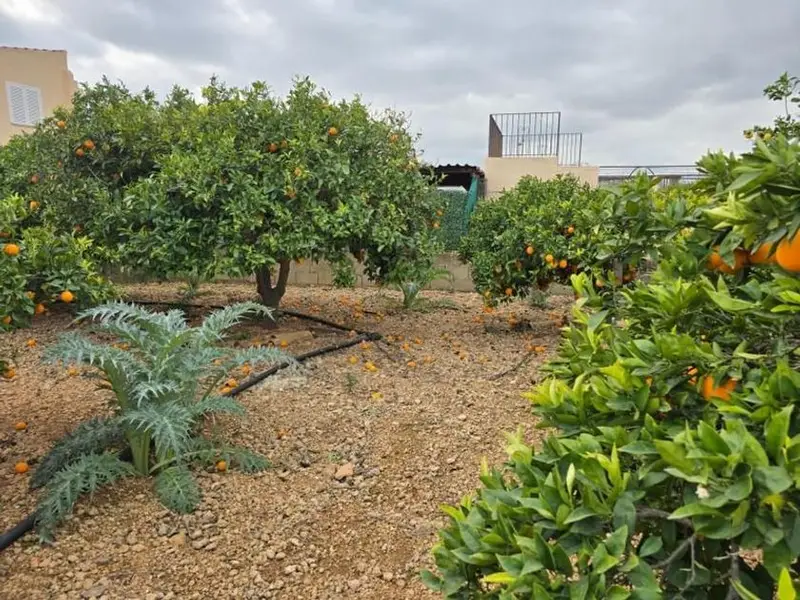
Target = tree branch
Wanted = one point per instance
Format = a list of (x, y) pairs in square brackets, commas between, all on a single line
[(654, 513), (733, 574), (677, 553)]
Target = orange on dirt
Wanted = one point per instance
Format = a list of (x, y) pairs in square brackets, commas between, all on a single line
[(10, 249), (529, 250), (39, 309), (21, 468), (549, 258), (283, 344), (563, 263), (411, 364), (370, 366), (61, 124), (231, 383), (88, 144), (79, 152), (365, 345), (427, 359), (788, 254), (73, 371), (406, 347), (246, 369), (715, 262), (222, 466), (509, 292), (353, 360), (31, 343), (33, 205), (721, 392), (332, 131), (9, 373), (488, 310), (66, 296), (760, 256), (418, 341), (225, 390), (20, 426)]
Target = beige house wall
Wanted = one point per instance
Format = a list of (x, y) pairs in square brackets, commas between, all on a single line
[(504, 173), (46, 70)]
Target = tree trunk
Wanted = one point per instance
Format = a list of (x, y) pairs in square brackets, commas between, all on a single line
[(271, 295)]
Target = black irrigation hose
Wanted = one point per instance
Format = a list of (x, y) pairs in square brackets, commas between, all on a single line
[(11, 535)]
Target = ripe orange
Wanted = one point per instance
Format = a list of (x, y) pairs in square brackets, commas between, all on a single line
[(21, 468), (273, 147), (31, 343), (246, 369), (411, 364), (529, 250), (549, 258), (7, 320), (570, 230), (760, 255), (222, 466), (353, 360), (9, 373), (439, 213), (563, 263), (34, 179), (788, 254), (10, 249), (61, 124), (66, 296), (231, 383), (34, 205), (722, 392), (88, 144), (332, 131), (436, 225), (715, 262), (73, 371), (20, 426), (283, 344), (509, 292), (79, 152), (39, 309), (225, 390)]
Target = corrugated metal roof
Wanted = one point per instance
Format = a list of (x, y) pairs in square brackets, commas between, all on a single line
[(30, 49)]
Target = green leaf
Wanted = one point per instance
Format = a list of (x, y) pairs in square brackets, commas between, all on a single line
[(741, 489), (786, 589), (502, 578), (744, 592), (579, 514), (602, 561), (177, 489), (651, 546), (776, 432), (692, 510), (774, 479), (711, 440)]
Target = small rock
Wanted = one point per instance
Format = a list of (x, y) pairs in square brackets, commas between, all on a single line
[(199, 544), (345, 471), (196, 534), (130, 539), (138, 548), (451, 460), (270, 553), (387, 576), (94, 592), (462, 417), (354, 584), (179, 539), (163, 529), (289, 569), (211, 546)]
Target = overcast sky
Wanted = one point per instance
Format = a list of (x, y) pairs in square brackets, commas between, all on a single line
[(647, 82)]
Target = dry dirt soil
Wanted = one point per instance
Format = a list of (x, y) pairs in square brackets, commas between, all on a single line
[(362, 459)]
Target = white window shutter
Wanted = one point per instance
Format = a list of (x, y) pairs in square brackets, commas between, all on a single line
[(24, 104)]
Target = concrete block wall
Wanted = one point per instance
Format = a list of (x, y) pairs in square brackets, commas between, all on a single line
[(310, 273)]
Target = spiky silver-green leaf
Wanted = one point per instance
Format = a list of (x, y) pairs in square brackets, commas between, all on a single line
[(169, 425), (177, 489)]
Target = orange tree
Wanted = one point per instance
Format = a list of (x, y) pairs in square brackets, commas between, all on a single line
[(39, 266), (528, 237), (674, 469)]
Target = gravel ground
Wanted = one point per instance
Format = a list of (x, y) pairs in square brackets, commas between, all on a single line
[(361, 460)]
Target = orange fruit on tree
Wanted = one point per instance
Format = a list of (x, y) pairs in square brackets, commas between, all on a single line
[(570, 230), (722, 392), (760, 255), (20, 426), (222, 466), (563, 263), (509, 292), (39, 309), (66, 296), (529, 250), (88, 144), (7, 320), (273, 147), (436, 225), (10, 249), (332, 131), (788, 254), (34, 205), (79, 152), (61, 124), (715, 262), (21, 468), (548, 258), (34, 179)]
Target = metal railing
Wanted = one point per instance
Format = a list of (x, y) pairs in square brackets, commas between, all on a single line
[(533, 134), (669, 174)]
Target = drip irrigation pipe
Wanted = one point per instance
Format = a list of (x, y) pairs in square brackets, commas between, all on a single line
[(11, 535)]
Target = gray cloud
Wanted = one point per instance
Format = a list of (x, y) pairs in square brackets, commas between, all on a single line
[(646, 82)]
